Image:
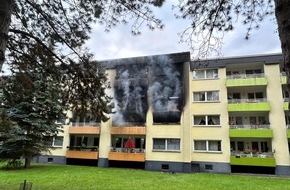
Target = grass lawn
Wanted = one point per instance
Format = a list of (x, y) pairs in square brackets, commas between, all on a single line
[(61, 177)]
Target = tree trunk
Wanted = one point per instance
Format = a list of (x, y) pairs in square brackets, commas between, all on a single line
[(282, 13), (27, 161), (6, 8)]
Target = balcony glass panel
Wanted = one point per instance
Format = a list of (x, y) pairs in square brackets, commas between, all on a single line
[(246, 80), (248, 105)]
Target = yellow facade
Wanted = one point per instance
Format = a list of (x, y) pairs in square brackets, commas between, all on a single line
[(226, 86)]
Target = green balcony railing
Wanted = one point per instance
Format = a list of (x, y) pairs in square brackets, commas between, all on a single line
[(251, 131), (286, 104), (283, 78), (248, 105), (246, 80), (256, 159)]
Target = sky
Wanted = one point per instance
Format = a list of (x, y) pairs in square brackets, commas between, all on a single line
[(120, 43)]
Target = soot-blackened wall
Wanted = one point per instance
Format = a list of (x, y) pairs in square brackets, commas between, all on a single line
[(156, 80), (166, 89), (131, 94)]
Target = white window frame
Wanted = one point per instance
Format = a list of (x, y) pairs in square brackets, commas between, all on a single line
[(205, 75), (54, 140), (206, 96), (166, 144), (207, 149), (206, 120)]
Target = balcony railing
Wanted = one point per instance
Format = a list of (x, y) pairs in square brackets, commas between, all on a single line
[(83, 148), (250, 126), (237, 76), (246, 80), (130, 150), (128, 124), (84, 130), (81, 124), (82, 153), (253, 154), (247, 100), (133, 155), (283, 78), (259, 104)]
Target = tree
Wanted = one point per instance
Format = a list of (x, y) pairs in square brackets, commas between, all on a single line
[(31, 99), (66, 22), (65, 25), (38, 93)]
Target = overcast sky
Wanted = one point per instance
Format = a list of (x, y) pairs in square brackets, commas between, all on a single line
[(119, 43)]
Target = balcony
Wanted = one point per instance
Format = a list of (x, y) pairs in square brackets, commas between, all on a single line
[(134, 155), (246, 80), (80, 153), (128, 130), (265, 159), (259, 104), (84, 130), (251, 131)]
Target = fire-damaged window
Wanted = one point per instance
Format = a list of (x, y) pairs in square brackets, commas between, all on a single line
[(208, 96), (166, 90), (130, 88), (166, 144), (205, 74), (207, 145), (206, 120)]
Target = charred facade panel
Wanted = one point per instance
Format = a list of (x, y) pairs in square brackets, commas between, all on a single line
[(130, 88), (166, 89), (154, 81)]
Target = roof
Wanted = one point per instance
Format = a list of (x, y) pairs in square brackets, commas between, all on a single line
[(223, 62), (174, 57)]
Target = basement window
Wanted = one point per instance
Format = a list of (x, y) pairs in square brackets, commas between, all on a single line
[(165, 167), (208, 167), (50, 160)]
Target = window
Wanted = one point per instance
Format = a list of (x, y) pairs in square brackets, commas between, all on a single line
[(234, 96), (233, 146), (205, 74), (253, 73), (54, 141), (165, 167), (57, 141), (50, 160), (207, 145), (241, 146), (255, 96), (251, 146), (206, 120), (235, 120), (206, 96), (166, 144), (208, 167)]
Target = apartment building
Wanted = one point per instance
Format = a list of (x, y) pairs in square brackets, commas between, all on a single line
[(173, 114)]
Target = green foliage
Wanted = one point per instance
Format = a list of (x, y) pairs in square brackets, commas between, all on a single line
[(67, 24), (14, 164), (30, 107)]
